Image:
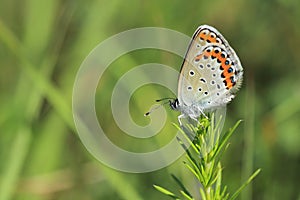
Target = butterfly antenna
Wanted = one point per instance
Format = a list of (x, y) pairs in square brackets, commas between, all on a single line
[(152, 109), (158, 106), (163, 99)]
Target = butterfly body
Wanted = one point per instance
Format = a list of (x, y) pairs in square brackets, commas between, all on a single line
[(210, 75)]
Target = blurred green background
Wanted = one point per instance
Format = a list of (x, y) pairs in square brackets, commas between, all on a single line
[(42, 44)]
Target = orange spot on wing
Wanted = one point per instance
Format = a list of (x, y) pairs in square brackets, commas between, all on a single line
[(202, 35), (207, 53), (229, 84), (207, 37), (220, 58), (198, 57), (212, 40)]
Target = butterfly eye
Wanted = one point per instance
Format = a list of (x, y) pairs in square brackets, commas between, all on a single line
[(212, 35), (189, 88), (218, 40)]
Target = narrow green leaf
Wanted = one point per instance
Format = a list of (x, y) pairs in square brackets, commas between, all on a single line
[(224, 193), (194, 172), (226, 137), (214, 177), (245, 184), (226, 196), (187, 138), (166, 192), (194, 163), (219, 180), (204, 175), (186, 192), (187, 196), (202, 193), (191, 159), (211, 168)]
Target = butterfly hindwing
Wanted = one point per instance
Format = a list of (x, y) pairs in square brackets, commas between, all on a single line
[(211, 72)]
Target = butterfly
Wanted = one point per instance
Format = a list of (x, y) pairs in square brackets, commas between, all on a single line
[(210, 75)]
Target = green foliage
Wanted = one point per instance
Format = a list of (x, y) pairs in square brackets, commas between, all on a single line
[(203, 161)]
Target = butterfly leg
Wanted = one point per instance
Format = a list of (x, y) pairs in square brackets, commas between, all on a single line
[(179, 119), (197, 122), (195, 119), (201, 111), (204, 115), (190, 117)]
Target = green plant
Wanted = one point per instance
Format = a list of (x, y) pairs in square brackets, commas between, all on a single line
[(203, 161)]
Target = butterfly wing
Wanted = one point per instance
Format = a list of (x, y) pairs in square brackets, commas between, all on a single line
[(211, 73)]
